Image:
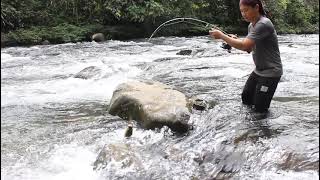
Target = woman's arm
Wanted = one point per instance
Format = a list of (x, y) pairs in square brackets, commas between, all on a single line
[(241, 44)]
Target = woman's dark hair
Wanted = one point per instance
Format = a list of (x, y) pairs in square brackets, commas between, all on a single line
[(253, 3)]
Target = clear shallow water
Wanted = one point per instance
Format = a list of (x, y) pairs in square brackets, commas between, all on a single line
[(53, 126)]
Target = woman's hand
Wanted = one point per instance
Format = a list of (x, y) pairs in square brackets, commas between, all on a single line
[(216, 34)]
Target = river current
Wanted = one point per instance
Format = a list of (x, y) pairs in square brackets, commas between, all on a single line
[(53, 125)]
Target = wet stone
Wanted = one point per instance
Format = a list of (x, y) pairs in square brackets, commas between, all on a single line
[(88, 72), (152, 104), (199, 104), (184, 52)]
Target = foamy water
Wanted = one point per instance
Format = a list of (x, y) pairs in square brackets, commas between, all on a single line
[(53, 125)]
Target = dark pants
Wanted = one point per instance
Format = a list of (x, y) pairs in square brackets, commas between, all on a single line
[(259, 91)]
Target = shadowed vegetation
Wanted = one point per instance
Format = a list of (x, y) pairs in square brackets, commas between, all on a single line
[(33, 21)]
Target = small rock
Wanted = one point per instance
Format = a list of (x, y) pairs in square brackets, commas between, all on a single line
[(129, 130), (199, 104), (98, 37), (184, 52), (88, 72), (45, 42)]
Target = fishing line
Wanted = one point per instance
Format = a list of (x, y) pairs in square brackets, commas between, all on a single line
[(192, 21), (195, 22)]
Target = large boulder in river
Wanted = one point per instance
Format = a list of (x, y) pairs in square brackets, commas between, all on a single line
[(151, 104)]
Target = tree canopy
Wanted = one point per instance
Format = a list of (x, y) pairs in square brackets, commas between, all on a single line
[(18, 14), (35, 16)]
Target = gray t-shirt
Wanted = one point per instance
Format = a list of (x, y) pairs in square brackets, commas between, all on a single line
[(266, 54)]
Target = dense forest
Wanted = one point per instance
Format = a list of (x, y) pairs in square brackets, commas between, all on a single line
[(30, 22)]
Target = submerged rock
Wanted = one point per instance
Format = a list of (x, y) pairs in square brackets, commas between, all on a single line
[(200, 104), (298, 162), (184, 52), (152, 105), (88, 72), (120, 155)]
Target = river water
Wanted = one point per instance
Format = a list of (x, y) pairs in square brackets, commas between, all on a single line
[(53, 125)]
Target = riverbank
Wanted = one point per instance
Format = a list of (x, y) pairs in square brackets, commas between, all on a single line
[(66, 33)]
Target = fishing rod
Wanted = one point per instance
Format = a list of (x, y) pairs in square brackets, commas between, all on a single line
[(195, 22), (192, 21)]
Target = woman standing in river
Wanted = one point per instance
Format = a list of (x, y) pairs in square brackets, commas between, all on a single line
[(262, 41)]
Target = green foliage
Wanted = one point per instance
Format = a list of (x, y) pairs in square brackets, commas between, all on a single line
[(19, 14), (294, 16), (62, 33), (7, 16), (66, 20), (67, 33), (23, 36)]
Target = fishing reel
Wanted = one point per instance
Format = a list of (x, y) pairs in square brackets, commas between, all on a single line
[(226, 46)]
